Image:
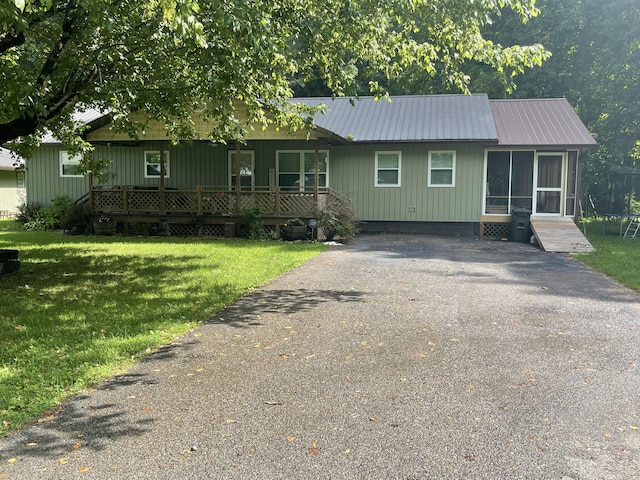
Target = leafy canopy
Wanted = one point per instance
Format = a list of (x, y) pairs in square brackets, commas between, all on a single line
[(171, 57)]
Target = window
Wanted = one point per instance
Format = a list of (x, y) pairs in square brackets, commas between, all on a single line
[(20, 179), (388, 166), (572, 183), (296, 169), (152, 164), (247, 167), (442, 169), (509, 181), (70, 165)]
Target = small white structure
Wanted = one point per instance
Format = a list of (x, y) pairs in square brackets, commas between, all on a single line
[(12, 191)]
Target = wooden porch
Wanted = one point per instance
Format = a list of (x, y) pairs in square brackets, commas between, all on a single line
[(202, 210)]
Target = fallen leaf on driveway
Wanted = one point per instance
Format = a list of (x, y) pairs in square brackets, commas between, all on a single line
[(291, 439), (83, 469), (314, 450)]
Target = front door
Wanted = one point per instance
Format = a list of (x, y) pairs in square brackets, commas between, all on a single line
[(547, 181)]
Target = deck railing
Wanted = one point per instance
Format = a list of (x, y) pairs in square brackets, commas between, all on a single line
[(201, 200)]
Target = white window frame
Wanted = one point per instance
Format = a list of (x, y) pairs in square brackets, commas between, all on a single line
[(74, 160), (453, 169), (377, 169), (301, 171), (232, 166), (167, 164)]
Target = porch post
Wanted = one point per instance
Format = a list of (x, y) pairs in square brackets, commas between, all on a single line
[(237, 178), (161, 188), (91, 192), (316, 182)]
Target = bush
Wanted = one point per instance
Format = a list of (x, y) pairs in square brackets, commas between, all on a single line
[(36, 217), (54, 214), (31, 216), (28, 212), (337, 220), (76, 220), (253, 223)]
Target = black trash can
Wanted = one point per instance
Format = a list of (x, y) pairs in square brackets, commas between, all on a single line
[(520, 226), (229, 229)]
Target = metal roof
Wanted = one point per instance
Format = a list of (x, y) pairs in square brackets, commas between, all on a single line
[(547, 122), (411, 118), (83, 117), (7, 161), (435, 118)]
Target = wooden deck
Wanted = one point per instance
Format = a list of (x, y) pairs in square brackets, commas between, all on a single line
[(560, 235)]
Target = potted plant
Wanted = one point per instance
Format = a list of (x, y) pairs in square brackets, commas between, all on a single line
[(294, 229), (104, 226)]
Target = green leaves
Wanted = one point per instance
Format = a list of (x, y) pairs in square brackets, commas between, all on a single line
[(169, 57)]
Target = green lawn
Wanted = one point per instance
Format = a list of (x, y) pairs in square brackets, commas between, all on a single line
[(615, 256), (82, 309)]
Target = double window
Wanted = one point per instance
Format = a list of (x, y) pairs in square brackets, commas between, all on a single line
[(152, 164), (297, 169), (509, 181), (70, 165)]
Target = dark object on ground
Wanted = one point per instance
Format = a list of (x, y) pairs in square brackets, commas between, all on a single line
[(9, 261)]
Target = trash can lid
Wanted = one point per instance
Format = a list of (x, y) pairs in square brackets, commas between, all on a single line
[(520, 210)]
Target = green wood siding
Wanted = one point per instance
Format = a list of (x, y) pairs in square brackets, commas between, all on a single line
[(353, 170), (43, 181), (9, 195), (190, 164)]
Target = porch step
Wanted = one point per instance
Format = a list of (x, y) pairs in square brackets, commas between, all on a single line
[(560, 236)]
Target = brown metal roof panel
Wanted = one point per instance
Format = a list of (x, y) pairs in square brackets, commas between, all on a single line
[(539, 122)]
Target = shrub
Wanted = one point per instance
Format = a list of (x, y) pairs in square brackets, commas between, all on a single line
[(253, 223), (76, 220), (54, 214), (31, 216), (337, 220), (36, 217), (28, 212)]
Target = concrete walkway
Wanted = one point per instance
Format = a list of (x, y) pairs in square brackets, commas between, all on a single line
[(394, 358)]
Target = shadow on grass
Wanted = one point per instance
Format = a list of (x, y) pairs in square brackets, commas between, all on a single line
[(76, 311)]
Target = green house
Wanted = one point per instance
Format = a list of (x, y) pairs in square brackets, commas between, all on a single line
[(12, 190), (440, 163)]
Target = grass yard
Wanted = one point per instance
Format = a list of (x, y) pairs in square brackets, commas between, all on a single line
[(82, 309), (615, 256)]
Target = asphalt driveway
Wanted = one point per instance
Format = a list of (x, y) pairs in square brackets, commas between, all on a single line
[(393, 358)]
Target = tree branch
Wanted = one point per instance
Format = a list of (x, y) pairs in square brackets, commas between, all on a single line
[(6, 43)]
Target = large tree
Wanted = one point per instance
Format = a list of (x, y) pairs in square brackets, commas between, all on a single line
[(596, 65), (169, 57)]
